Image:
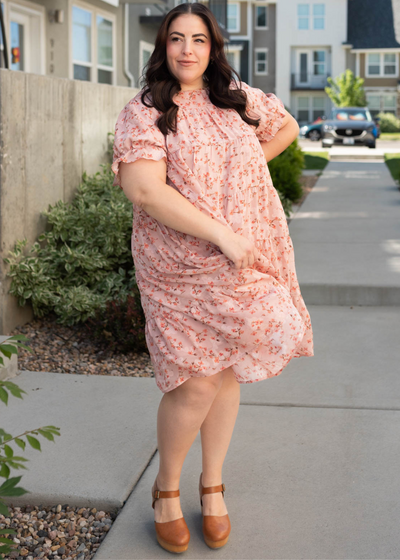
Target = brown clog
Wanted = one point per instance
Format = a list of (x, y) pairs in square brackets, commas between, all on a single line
[(216, 528), (173, 536)]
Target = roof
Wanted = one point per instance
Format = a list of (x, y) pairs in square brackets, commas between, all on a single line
[(373, 24)]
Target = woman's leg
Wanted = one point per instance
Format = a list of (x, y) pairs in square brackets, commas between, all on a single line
[(216, 432), (180, 414)]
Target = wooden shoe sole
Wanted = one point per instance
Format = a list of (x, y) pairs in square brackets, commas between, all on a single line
[(216, 528)]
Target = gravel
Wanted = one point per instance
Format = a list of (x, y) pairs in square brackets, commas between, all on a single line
[(58, 532), (61, 349)]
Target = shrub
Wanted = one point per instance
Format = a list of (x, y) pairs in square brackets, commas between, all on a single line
[(389, 122), (84, 260), (286, 170)]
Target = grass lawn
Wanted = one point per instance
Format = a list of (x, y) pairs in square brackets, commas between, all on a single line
[(393, 163), (389, 136), (316, 160)]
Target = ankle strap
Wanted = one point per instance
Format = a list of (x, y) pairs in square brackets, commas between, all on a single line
[(164, 494), (213, 489)]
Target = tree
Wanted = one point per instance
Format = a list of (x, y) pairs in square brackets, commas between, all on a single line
[(347, 90)]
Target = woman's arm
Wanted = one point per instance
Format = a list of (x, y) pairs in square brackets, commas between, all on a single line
[(144, 184), (282, 139)]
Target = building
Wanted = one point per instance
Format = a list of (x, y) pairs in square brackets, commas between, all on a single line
[(372, 51)]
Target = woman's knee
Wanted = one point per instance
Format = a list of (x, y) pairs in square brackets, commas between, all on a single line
[(202, 390)]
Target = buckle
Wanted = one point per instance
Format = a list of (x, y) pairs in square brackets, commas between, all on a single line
[(156, 494), (223, 487)]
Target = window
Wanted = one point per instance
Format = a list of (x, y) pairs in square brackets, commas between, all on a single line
[(319, 63), (389, 64), (145, 52), (319, 16), (303, 109), (104, 51), (82, 43), (303, 12), (318, 107), (261, 17), (261, 61), (92, 45), (381, 65), (233, 17), (25, 26), (303, 16), (233, 57), (310, 108), (381, 102)]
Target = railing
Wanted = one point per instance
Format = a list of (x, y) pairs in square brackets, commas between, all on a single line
[(307, 80)]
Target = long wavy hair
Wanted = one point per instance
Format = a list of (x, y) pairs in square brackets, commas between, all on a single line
[(162, 85)]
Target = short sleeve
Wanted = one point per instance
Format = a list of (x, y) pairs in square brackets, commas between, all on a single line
[(269, 108), (137, 136)]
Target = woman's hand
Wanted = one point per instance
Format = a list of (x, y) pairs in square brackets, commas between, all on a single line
[(240, 250)]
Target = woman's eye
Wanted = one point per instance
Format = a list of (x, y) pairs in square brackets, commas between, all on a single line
[(178, 39)]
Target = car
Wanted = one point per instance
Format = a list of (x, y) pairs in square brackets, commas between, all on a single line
[(312, 130), (349, 126)]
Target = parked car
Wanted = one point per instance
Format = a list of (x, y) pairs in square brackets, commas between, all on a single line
[(349, 126), (312, 130)]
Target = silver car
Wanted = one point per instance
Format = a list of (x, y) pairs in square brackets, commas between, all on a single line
[(349, 126)]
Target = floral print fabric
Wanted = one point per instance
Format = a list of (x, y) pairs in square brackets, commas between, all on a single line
[(202, 314)]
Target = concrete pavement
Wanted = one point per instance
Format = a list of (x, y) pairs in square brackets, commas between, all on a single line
[(311, 472)]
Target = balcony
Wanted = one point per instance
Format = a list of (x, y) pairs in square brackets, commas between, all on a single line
[(308, 81)]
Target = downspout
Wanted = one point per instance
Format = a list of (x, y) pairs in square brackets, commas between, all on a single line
[(126, 47)]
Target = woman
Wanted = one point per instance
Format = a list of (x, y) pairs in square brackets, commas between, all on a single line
[(213, 257)]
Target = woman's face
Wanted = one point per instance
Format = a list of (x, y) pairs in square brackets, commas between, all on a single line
[(188, 39)]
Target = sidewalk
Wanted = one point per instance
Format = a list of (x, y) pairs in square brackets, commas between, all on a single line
[(312, 469)]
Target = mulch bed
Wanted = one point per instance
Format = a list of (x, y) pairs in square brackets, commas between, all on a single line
[(61, 349)]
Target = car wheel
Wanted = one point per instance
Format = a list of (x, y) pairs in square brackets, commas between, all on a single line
[(314, 135), (372, 145)]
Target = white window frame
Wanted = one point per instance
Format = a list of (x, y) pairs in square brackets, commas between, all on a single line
[(31, 10), (314, 17), (311, 107), (381, 65), (256, 51), (299, 16), (94, 62), (382, 95), (143, 45), (237, 28), (256, 7), (236, 51)]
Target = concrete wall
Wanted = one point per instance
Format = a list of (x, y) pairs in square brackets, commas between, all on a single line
[(51, 131)]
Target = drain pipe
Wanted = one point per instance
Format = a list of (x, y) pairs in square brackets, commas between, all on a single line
[(126, 47)]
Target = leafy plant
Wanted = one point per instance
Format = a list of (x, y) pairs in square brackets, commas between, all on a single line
[(8, 460), (347, 90), (286, 170), (389, 122), (84, 259)]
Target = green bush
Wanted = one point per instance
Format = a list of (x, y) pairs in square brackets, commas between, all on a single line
[(286, 170), (389, 122), (84, 260)]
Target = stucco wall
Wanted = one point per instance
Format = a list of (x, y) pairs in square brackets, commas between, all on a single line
[(51, 131)]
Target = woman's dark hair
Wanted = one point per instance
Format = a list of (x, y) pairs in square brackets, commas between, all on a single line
[(162, 85)]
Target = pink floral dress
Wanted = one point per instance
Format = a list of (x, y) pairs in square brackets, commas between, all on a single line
[(202, 314)]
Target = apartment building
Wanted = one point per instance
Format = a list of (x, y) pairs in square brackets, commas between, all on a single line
[(372, 51), (251, 49), (309, 49)]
